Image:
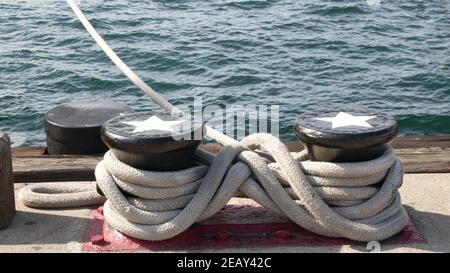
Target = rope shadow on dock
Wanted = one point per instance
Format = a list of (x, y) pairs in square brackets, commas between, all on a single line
[(432, 226)]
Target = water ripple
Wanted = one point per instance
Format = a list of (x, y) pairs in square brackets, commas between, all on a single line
[(301, 55)]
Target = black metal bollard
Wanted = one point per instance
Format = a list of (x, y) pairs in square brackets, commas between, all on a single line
[(7, 202), (74, 128), (345, 135), (153, 141)]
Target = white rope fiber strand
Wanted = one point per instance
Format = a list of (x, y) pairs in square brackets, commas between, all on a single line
[(375, 212)]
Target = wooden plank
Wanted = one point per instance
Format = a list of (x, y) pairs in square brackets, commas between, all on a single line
[(81, 168), (54, 168), (422, 141), (28, 151), (425, 160), (422, 157)]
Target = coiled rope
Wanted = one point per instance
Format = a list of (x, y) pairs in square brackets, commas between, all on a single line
[(358, 200)]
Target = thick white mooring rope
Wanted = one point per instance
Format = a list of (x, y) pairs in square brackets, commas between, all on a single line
[(359, 200)]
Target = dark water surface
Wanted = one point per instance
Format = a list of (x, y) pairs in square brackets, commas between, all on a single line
[(302, 55)]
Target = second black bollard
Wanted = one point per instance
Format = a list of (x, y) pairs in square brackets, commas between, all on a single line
[(345, 135)]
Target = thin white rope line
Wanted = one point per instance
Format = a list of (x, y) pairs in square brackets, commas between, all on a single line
[(161, 101)]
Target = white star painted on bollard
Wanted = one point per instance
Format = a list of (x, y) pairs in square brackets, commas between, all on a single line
[(153, 123), (343, 119)]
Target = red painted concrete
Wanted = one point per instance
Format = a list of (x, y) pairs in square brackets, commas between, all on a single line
[(249, 226)]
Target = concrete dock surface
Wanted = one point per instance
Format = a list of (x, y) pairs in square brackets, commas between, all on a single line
[(425, 196)]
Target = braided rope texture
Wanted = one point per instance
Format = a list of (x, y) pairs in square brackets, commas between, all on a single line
[(359, 201)]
